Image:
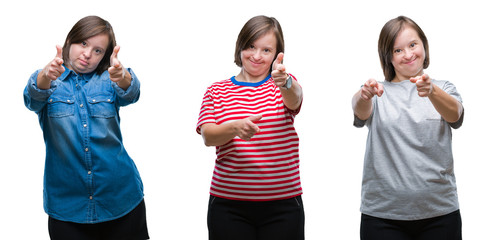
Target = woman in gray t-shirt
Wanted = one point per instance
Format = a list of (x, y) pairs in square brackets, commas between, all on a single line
[(409, 187)]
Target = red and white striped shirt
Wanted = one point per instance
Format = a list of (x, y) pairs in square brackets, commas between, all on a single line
[(266, 167)]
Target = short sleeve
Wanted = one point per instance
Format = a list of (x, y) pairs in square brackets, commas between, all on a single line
[(359, 123), (450, 89), (206, 111)]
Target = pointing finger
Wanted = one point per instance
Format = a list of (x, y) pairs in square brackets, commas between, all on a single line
[(255, 118), (114, 61), (380, 89)]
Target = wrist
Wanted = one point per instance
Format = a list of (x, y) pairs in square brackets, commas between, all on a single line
[(288, 83)]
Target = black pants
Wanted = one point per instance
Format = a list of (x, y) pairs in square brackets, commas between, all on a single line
[(447, 227), (132, 226), (248, 220)]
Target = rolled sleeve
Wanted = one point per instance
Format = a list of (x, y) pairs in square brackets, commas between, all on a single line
[(34, 97), (131, 95)]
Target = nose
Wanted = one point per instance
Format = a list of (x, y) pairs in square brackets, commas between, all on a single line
[(408, 54), (87, 53), (257, 54)]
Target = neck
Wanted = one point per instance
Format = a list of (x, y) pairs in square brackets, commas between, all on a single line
[(244, 76), (400, 78)]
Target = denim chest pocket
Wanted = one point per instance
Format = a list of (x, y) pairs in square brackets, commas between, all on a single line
[(60, 106), (102, 106)]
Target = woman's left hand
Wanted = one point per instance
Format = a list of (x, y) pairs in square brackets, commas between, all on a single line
[(278, 72), (424, 85), (117, 72)]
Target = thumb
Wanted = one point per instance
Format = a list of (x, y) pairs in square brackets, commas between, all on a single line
[(279, 60), (114, 61), (59, 51), (255, 118), (59, 54)]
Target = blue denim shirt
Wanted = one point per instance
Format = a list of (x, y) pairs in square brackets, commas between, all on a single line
[(88, 175)]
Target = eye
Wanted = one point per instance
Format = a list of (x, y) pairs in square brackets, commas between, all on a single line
[(267, 50), (397, 51), (413, 44), (83, 43), (251, 46), (98, 51)]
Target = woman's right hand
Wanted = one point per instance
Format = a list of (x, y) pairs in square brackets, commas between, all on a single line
[(361, 101), (370, 89), (246, 128), (218, 135), (52, 70)]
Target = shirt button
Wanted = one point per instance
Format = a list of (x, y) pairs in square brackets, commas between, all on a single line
[(51, 100), (91, 197), (89, 172), (68, 100), (94, 100), (81, 105), (84, 125), (86, 149)]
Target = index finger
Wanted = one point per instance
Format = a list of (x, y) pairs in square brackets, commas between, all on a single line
[(114, 58), (380, 89), (371, 83)]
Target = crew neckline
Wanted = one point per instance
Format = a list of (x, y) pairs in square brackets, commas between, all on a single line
[(249, 84)]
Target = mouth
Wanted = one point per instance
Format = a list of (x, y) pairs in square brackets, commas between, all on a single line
[(83, 62), (411, 62), (254, 62)]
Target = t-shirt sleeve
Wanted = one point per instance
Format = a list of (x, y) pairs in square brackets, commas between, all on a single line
[(206, 111), (359, 123), (450, 89)]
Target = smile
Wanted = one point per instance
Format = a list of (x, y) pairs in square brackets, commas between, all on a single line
[(254, 63), (410, 62)]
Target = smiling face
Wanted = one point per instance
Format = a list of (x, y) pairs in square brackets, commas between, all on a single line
[(85, 56), (408, 55), (257, 59)]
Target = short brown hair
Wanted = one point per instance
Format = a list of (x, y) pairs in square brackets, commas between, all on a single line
[(88, 27), (254, 29), (387, 38)]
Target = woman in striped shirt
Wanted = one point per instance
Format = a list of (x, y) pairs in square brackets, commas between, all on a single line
[(255, 191)]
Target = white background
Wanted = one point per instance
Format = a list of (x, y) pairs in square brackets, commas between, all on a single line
[(178, 48)]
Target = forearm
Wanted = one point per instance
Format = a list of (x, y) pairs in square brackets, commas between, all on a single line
[(34, 97), (43, 82), (362, 108), (217, 135), (447, 106), (292, 97), (130, 94), (126, 81)]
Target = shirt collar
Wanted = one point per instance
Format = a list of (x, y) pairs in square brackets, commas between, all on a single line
[(68, 72), (249, 84)]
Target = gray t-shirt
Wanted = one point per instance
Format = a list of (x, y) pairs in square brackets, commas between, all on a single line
[(408, 165)]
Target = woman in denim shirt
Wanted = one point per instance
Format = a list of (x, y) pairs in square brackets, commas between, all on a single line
[(92, 189)]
